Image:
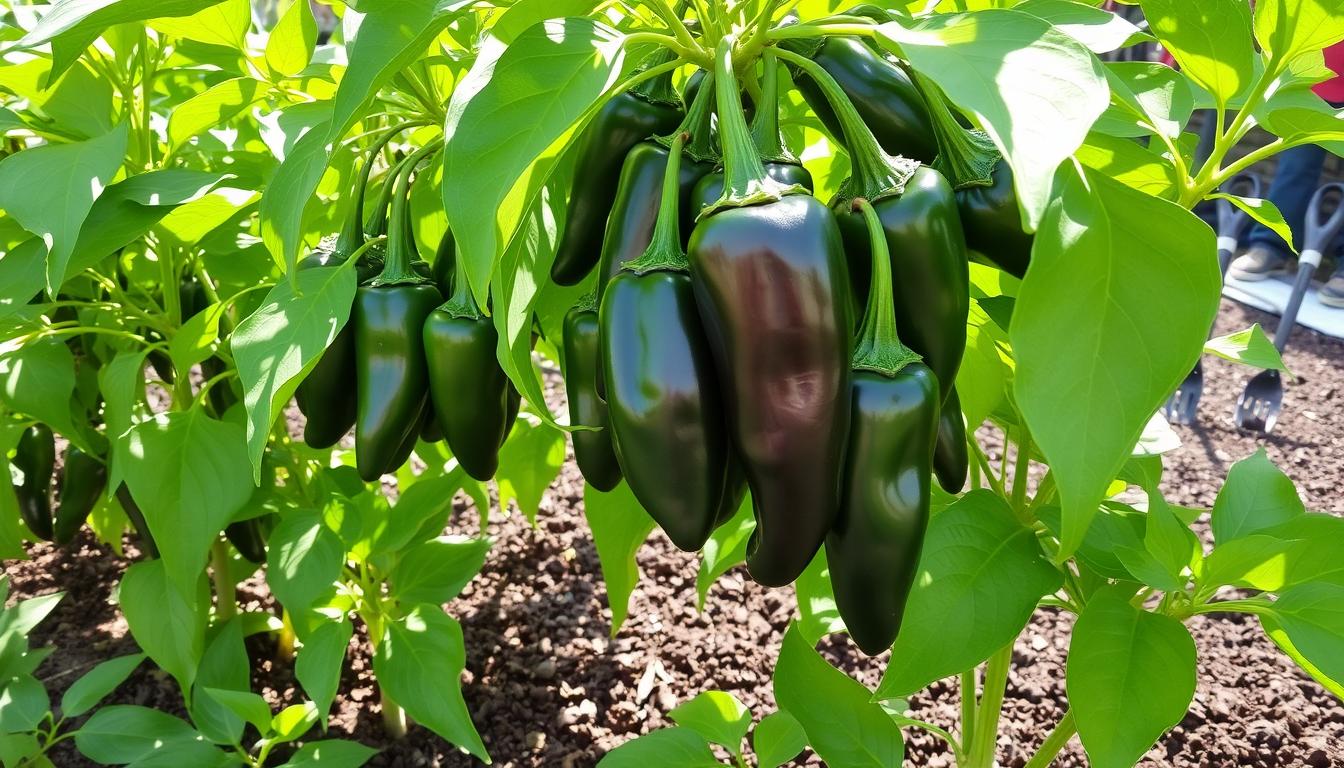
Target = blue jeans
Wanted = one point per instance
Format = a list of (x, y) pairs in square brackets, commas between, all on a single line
[(1294, 183)]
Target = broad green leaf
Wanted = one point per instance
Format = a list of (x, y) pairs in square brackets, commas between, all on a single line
[(1035, 90), (279, 343), (195, 340), (1151, 96), (246, 706), (290, 45), (303, 560), (97, 683), (1264, 212), (71, 178), (726, 547), (1249, 347), (1170, 543), (212, 107), (38, 380), (435, 571), (1116, 527), (419, 662), (293, 721), (23, 704), (167, 626), (778, 738), (1210, 39), (1285, 644), (223, 667), (1258, 561), (190, 222), (125, 734), (23, 273), (332, 753), (1132, 276), (188, 473), (1311, 616), (620, 526), (1288, 28), (426, 504), (961, 591), (717, 716), (15, 748), (843, 724), (1101, 31), (1130, 163), (1318, 554), (818, 615), (1130, 677), (1255, 496), (226, 23), (985, 368), (320, 660), (664, 748), (529, 462), (289, 192), (541, 87)]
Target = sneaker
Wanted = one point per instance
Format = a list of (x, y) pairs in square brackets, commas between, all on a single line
[(1258, 263), (1332, 293)]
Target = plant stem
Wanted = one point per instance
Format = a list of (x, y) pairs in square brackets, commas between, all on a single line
[(284, 639), (394, 717), (969, 707), (664, 251), (226, 602), (146, 86), (980, 753), (1021, 470), (1249, 605), (1054, 742), (878, 348)]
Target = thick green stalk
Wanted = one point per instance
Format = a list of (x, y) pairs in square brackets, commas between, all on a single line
[(352, 231), (879, 348), (463, 301), (698, 124), (981, 751), (397, 262), (765, 128), (658, 89), (875, 174), (968, 706), (226, 602), (967, 158), (664, 251), (1054, 742)]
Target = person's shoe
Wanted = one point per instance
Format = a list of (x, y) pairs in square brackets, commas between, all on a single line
[(1258, 263), (1332, 293)]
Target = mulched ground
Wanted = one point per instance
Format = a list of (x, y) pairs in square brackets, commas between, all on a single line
[(549, 687)]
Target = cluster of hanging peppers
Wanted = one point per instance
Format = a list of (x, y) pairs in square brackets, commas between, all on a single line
[(745, 336)]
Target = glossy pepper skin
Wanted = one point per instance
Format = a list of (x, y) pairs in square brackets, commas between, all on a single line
[(82, 483), (950, 460), (249, 538), (624, 121), (992, 220), (873, 550), (772, 289), (593, 449), (710, 187), (35, 456), (885, 97), (137, 518)]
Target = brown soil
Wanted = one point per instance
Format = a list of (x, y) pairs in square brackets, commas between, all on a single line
[(549, 687)]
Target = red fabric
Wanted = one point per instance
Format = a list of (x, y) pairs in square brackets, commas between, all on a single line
[(1333, 90)]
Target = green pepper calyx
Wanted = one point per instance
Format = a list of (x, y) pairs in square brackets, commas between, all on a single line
[(664, 252), (967, 157), (879, 348)]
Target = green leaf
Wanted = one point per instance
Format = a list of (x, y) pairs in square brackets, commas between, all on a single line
[(332, 753), (246, 705), (1211, 40), (541, 87), (726, 547), (23, 704), (293, 721), (717, 716), (529, 462), (226, 23), (1129, 163), (961, 591), (818, 615), (1151, 96), (1249, 347), (1311, 616), (303, 560), (23, 272), (188, 473), (435, 571), (1288, 28), (1264, 212), (224, 667), (165, 624), (1257, 561), (195, 340), (320, 660), (1285, 644), (843, 724), (97, 683), (71, 177), (1255, 496), (1318, 553), (279, 343), (38, 380), (189, 223), (419, 662), (665, 748), (1132, 276), (1101, 31), (1130, 677), (124, 734), (778, 739), (214, 106), (15, 748), (1035, 90), (290, 45), (620, 526), (288, 194)]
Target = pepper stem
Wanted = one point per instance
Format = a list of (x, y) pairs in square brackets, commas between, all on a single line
[(664, 251), (659, 89), (879, 348), (765, 128), (875, 174), (463, 301), (966, 157), (397, 262), (744, 179), (352, 231), (698, 123)]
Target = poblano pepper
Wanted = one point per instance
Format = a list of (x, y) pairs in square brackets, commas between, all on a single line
[(768, 269), (35, 456), (664, 406), (873, 549), (83, 480), (474, 402), (593, 449), (391, 375), (650, 109)]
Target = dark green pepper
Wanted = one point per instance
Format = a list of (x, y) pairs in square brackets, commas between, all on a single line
[(882, 92), (768, 269), (391, 375), (950, 460), (445, 263), (83, 480), (137, 518), (249, 538), (873, 550), (474, 402), (663, 401), (628, 118), (593, 449), (35, 456)]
